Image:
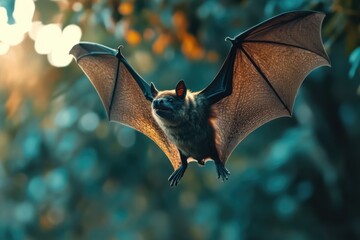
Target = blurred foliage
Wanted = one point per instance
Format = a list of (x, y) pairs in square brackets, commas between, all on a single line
[(67, 173)]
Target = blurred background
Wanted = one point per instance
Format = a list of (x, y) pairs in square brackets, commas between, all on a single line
[(67, 173)]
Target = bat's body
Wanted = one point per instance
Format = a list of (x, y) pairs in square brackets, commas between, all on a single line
[(188, 127), (185, 118), (258, 82)]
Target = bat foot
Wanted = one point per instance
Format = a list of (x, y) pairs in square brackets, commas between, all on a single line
[(222, 172), (175, 177)]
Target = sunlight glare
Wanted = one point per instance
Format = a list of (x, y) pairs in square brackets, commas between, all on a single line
[(3, 15), (4, 48), (35, 27), (9, 34), (72, 33), (23, 14), (60, 56), (47, 38), (12, 34)]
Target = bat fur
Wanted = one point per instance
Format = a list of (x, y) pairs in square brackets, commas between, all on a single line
[(185, 119)]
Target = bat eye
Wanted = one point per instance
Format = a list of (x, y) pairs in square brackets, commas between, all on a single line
[(171, 100)]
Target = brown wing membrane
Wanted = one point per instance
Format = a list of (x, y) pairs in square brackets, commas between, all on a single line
[(270, 61), (123, 93)]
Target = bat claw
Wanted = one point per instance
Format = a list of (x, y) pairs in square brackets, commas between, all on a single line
[(222, 172), (175, 177)]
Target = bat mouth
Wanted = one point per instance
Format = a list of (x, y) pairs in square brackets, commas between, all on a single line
[(164, 111)]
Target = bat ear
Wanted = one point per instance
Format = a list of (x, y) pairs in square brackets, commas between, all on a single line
[(153, 89), (180, 89)]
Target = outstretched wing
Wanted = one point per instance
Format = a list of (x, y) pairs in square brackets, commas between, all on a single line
[(262, 73), (125, 95)]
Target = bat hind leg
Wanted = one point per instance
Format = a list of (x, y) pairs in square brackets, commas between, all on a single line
[(175, 177), (222, 171)]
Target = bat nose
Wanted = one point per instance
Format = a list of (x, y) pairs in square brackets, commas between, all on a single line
[(158, 102)]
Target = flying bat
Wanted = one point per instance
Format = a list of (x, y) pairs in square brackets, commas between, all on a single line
[(257, 82)]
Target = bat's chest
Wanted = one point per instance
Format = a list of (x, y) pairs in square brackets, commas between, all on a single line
[(193, 140)]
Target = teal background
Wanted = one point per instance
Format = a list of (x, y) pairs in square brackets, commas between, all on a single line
[(67, 173)]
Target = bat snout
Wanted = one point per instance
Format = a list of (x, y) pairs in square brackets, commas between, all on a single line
[(157, 103), (162, 109), (160, 104)]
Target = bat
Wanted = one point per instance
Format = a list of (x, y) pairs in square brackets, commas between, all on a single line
[(257, 82)]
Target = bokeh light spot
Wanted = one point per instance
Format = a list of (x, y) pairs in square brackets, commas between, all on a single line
[(24, 212), (57, 180), (31, 145), (59, 56), (66, 117), (126, 137), (126, 8), (161, 43), (23, 13), (133, 37), (277, 183), (66, 144), (77, 6), (47, 38), (89, 122), (35, 27), (84, 164), (37, 188), (13, 34)]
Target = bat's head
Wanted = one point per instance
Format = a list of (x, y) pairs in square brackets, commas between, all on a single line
[(169, 106)]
